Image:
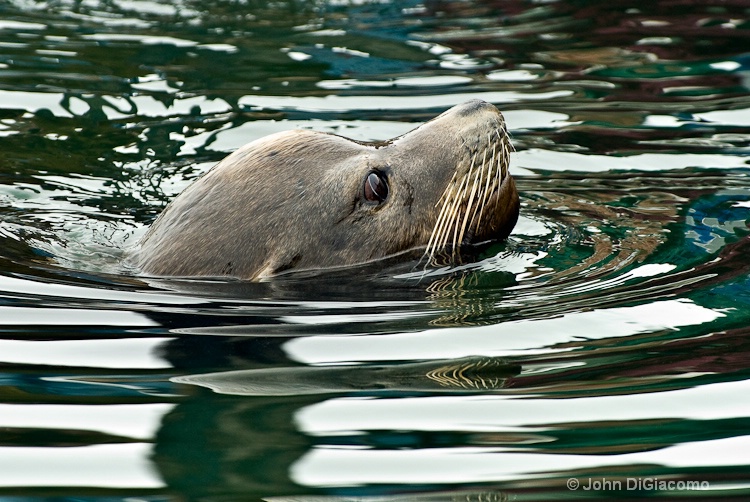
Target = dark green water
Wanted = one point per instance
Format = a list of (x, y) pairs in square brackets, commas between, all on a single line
[(603, 346)]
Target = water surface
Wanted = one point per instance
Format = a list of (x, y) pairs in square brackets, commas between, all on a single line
[(600, 352)]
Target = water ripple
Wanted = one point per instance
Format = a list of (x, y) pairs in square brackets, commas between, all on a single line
[(606, 340)]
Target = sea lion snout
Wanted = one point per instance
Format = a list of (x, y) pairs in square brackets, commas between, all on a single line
[(305, 199), (480, 202)]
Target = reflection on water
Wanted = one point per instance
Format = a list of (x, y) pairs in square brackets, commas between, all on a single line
[(604, 345)]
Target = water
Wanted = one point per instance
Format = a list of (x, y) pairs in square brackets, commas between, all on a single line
[(601, 352)]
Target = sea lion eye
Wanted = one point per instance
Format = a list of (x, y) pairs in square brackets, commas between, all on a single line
[(376, 187)]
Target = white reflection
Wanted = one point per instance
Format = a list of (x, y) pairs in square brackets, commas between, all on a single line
[(648, 270), (506, 339), (512, 76), (726, 65), (135, 421), (547, 160), (146, 105), (230, 139), (520, 413), (298, 56), (515, 414), (740, 117), (130, 353), (144, 39), (437, 80), (228, 48), (153, 83), (348, 103), (78, 317), (536, 119), (347, 467), (33, 102), (156, 8), (6, 24), (101, 466), (119, 107), (320, 319)]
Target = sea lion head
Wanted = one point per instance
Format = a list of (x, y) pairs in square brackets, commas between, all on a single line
[(310, 200)]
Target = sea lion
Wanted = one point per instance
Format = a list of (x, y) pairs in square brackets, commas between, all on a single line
[(310, 200)]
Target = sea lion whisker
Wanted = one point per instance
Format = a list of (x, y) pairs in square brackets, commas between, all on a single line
[(452, 222), (444, 195), (480, 195), (470, 200), (498, 169), (461, 201), (502, 158), (475, 199), (508, 148), (487, 192), (432, 244), (442, 228), (474, 191), (502, 167), (443, 217)]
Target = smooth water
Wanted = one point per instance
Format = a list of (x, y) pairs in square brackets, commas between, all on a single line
[(602, 352)]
